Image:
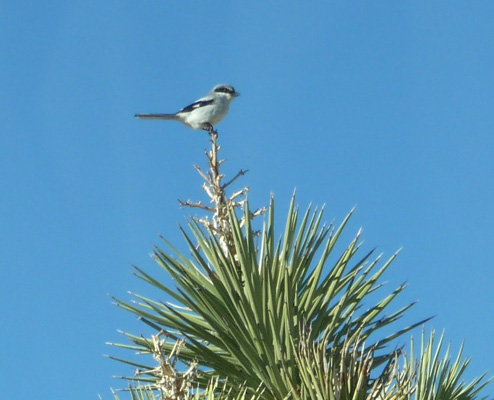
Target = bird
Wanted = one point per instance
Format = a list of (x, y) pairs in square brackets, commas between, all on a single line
[(204, 113)]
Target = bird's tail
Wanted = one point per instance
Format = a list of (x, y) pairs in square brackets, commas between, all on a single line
[(157, 116)]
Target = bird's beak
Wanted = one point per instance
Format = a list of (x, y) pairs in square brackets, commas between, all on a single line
[(236, 94)]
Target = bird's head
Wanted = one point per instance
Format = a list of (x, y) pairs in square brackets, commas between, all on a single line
[(226, 90)]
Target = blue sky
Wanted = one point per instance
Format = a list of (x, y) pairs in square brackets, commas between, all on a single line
[(386, 106)]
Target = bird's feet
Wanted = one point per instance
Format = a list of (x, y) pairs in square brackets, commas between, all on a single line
[(208, 127)]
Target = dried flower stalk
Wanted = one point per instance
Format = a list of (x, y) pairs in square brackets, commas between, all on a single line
[(172, 384), (221, 203)]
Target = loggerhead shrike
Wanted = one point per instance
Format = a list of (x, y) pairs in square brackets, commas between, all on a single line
[(205, 113)]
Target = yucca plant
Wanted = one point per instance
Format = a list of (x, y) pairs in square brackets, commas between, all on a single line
[(259, 315)]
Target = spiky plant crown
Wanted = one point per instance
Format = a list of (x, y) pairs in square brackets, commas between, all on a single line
[(277, 317)]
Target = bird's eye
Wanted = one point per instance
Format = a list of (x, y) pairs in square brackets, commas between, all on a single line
[(224, 89)]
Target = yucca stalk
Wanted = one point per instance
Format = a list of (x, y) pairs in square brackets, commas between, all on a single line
[(214, 187)]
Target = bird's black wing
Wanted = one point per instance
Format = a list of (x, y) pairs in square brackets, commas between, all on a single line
[(197, 104)]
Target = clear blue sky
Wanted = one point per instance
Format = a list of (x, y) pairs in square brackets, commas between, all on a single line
[(384, 105)]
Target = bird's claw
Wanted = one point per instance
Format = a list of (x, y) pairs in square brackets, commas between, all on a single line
[(211, 130)]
